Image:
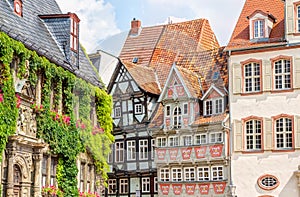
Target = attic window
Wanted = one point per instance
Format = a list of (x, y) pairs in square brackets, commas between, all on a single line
[(258, 29), (135, 60), (74, 34), (18, 7)]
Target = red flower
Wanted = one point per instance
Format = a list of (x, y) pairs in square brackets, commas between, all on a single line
[(1, 98), (18, 100)]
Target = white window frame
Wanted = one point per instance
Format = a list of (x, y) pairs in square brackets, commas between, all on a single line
[(161, 142), (280, 78), (185, 108), (217, 173), (177, 117), (201, 139), (298, 18), (143, 147), (187, 140), (119, 150), (203, 173), (176, 174), (164, 174), (216, 137), (138, 108), (123, 186), (189, 174), (112, 186), (253, 134), (286, 134), (252, 77), (213, 105), (117, 112), (259, 28), (146, 184), (173, 141), (131, 150)]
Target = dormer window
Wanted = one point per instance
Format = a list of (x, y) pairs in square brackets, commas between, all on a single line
[(260, 25), (74, 33), (213, 106), (18, 7), (177, 117), (258, 29)]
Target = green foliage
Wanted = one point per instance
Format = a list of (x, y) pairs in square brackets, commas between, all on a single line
[(66, 133)]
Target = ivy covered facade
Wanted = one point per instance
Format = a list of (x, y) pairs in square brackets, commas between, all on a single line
[(55, 123)]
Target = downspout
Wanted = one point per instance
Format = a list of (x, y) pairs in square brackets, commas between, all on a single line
[(232, 187)]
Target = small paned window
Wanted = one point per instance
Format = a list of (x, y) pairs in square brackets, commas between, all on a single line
[(131, 150), (268, 182), (161, 141), (253, 135), (119, 151), (217, 173), (201, 139), (203, 173), (298, 18), (112, 186), (284, 133), (168, 110), (138, 109), (146, 184), (176, 174), (216, 137), (74, 35), (252, 77), (282, 74), (187, 140), (164, 174), (258, 29), (123, 186), (143, 149), (177, 117), (189, 174), (155, 184), (117, 112), (185, 108), (213, 106), (173, 141)]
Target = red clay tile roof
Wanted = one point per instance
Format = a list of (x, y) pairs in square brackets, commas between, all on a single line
[(240, 36), (144, 76), (209, 119)]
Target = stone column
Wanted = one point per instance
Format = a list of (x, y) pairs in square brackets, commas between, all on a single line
[(85, 170), (92, 179), (10, 173), (37, 174)]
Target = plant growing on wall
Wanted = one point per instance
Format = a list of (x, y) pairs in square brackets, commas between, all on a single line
[(56, 121)]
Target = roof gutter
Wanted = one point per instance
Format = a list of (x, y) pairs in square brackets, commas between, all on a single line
[(257, 47)]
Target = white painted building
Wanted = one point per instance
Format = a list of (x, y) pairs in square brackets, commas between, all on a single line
[(264, 84)]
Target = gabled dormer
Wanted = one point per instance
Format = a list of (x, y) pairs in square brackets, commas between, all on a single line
[(260, 26), (179, 100), (214, 101), (64, 29)]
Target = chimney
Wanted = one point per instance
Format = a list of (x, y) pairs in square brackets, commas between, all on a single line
[(135, 27)]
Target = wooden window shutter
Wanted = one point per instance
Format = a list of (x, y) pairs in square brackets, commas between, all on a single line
[(297, 73), (237, 78), (268, 134), (290, 19), (267, 75), (297, 132), (238, 135)]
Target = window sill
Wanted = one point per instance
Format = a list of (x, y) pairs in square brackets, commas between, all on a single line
[(251, 93), (252, 151), (284, 150), (282, 90)]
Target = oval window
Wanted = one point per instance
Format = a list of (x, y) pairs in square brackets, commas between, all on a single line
[(268, 182)]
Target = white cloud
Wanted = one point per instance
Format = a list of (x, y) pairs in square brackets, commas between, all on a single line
[(97, 20)]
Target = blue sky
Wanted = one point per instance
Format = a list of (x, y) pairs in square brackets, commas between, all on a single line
[(103, 18)]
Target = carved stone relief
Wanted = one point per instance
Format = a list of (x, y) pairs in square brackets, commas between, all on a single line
[(26, 123)]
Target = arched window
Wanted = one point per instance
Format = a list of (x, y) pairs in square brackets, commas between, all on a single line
[(177, 117), (284, 133), (282, 74)]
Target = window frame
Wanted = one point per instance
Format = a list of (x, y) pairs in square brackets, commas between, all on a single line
[(138, 108), (203, 169), (254, 121), (260, 28), (143, 149), (164, 174), (160, 141), (177, 117), (112, 186), (252, 78), (217, 169), (155, 180), (284, 133), (176, 174), (74, 31), (297, 17), (119, 152), (117, 112), (123, 188), (168, 110), (146, 184), (152, 148), (185, 138), (189, 174), (131, 150), (211, 109), (283, 80), (216, 141), (185, 107), (199, 141), (175, 142)]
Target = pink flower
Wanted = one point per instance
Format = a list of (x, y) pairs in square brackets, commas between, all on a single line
[(82, 126), (18, 100), (66, 119), (1, 98)]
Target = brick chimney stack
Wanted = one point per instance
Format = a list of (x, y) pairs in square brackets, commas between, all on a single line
[(135, 27)]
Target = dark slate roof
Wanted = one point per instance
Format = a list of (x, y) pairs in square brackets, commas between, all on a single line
[(33, 32)]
